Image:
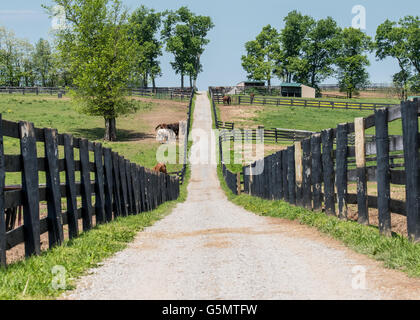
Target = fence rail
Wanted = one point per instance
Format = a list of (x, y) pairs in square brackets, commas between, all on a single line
[(304, 103), (158, 92), (315, 173)]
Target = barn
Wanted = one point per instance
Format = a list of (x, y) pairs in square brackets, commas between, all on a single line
[(297, 90)]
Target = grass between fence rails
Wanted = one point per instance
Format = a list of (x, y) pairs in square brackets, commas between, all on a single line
[(395, 252), (33, 278)]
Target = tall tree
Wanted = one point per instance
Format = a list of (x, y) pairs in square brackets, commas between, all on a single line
[(185, 36), (292, 37), (43, 62), (262, 54), (352, 60), (319, 51), (144, 25), (96, 44), (390, 41)]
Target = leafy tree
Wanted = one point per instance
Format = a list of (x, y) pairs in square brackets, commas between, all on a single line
[(412, 27), (96, 44), (352, 60), (262, 54), (390, 42), (43, 62), (185, 36), (318, 53), (292, 36), (144, 25)]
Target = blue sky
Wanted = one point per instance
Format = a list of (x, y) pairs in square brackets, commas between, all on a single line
[(236, 22)]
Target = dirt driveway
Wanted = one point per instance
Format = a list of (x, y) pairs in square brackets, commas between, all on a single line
[(209, 248)]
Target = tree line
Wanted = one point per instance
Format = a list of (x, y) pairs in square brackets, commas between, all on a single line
[(44, 63), (100, 49), (309, 51)]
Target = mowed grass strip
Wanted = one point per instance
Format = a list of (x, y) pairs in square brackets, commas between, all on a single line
[(33, 278), (396, 252)]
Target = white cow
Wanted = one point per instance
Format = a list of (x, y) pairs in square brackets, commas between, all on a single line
[(165, 136)]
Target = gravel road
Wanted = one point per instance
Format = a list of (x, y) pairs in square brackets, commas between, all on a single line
[(209, 248)]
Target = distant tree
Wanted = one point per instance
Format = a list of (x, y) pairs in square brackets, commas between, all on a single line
[(144, 26), (185, 37), (390, 41), (292, 36), (352, 61), (11, 53), (43, 62), (318, 53), (412, 35), (262, 55), (95, 43)]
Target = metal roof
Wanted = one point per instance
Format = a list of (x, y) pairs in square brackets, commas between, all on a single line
[(286, 84)]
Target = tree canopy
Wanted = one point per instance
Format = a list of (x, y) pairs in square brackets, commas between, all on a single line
[(185, 36), (96, 44)]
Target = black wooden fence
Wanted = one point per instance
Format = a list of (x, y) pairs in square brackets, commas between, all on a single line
[(120, 188), (315, 175), (158, 92), (276, 135), (315, 172), (299, 102)]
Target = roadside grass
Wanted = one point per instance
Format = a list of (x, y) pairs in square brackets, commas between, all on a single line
[(396, 252), (32, 278)]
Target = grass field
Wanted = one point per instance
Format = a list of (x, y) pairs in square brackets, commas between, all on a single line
[(385, 100), (310, 119), (135, 132)]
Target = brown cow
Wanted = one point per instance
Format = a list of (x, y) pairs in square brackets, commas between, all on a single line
[(160, 167), (227, 100)]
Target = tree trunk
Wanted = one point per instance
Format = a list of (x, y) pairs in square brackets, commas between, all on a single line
[(190, 81), (153, 83), (110, 130), (182, 81)]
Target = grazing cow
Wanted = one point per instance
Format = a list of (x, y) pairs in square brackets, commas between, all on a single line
[(227, 100), (160, 167)]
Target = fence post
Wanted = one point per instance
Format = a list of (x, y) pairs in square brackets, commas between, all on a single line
[(307, 174), (30, 187), (238, 183), (86, 186), (409, 114), (117, 184), (291, 176), (123, 179), (383, 173), (279, 175), (341, 170), (129, 187), (298, 172), (72, 214), (316, 171), (55, 220), (362, 200), (135, 186), (3, 261), (285, 170), (99, 184), (108, 187), (327, 137)]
